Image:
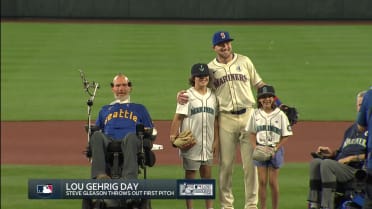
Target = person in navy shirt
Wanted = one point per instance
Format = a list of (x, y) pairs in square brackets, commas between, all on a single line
[(117, 122), (337, 165)]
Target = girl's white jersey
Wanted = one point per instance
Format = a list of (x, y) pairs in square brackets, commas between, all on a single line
[(269, 128), (201, 112)]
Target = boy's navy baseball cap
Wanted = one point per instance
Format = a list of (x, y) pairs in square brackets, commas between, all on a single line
[(220, 37), (199, 70), (265, 90)]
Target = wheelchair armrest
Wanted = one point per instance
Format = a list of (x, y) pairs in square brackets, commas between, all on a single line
[(93, 128), (151, 133), (317, 155), (147, 144)]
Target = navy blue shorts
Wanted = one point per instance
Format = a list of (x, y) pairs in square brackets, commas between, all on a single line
[(275, 162)]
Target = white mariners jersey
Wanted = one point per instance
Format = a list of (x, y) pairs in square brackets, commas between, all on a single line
[(233, 82), (269, 128), (200, 111)]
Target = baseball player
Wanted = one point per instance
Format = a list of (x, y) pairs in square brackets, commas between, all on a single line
[(233, 75), (269, 126), (118, 121), (232, 78), (199, 115)]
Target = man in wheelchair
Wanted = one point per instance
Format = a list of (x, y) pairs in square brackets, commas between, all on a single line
[(123, 129), (118, 122), (330, 168)]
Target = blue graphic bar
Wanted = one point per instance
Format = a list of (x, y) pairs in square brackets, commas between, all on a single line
[(121, 189)]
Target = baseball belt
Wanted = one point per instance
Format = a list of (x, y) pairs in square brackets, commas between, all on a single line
[(239, 112)]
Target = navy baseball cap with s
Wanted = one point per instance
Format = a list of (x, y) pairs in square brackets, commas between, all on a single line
[(220, 37), (199, 70)]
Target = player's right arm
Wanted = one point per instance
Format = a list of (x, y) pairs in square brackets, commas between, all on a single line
[(175, 126)]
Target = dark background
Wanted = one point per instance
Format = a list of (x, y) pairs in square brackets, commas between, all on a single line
[(190, 9)]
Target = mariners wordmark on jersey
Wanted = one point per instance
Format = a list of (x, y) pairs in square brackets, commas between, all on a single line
[(202, 109), (229, 77)]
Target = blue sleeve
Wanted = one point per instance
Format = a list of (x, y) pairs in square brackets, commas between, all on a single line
[(277, 101), (365, 111), (146, 118), (100, 120)]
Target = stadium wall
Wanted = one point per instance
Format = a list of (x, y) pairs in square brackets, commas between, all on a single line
[(189, 9)]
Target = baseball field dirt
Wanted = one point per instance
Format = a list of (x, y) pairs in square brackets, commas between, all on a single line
[(63, 142)]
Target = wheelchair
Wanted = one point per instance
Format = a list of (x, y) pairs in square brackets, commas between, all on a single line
[(114, 163), (350, 195)]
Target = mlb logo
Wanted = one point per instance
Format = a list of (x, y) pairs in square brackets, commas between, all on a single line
[(44, 189)]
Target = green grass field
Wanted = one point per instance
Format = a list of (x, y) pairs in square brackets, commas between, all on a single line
[(317, 68), (14, 180)]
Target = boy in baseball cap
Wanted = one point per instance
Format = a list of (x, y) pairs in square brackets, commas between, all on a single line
[(199, 115)]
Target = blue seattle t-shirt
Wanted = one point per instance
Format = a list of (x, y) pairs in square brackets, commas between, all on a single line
[(117, 120)]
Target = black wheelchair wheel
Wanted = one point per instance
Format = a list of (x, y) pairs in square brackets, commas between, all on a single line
[(90, 204), (87, 204), (145, 204)]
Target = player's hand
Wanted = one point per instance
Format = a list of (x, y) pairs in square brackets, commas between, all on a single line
[(326, 151), (182, 97)]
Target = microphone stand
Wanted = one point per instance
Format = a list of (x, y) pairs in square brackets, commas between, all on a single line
[(90, 104), (88, 86)]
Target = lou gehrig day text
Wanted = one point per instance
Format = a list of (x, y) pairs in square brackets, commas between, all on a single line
[(111, 189)]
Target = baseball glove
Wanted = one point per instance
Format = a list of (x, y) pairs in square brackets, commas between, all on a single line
[(291, 113), (263, 153), (184, 140)]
